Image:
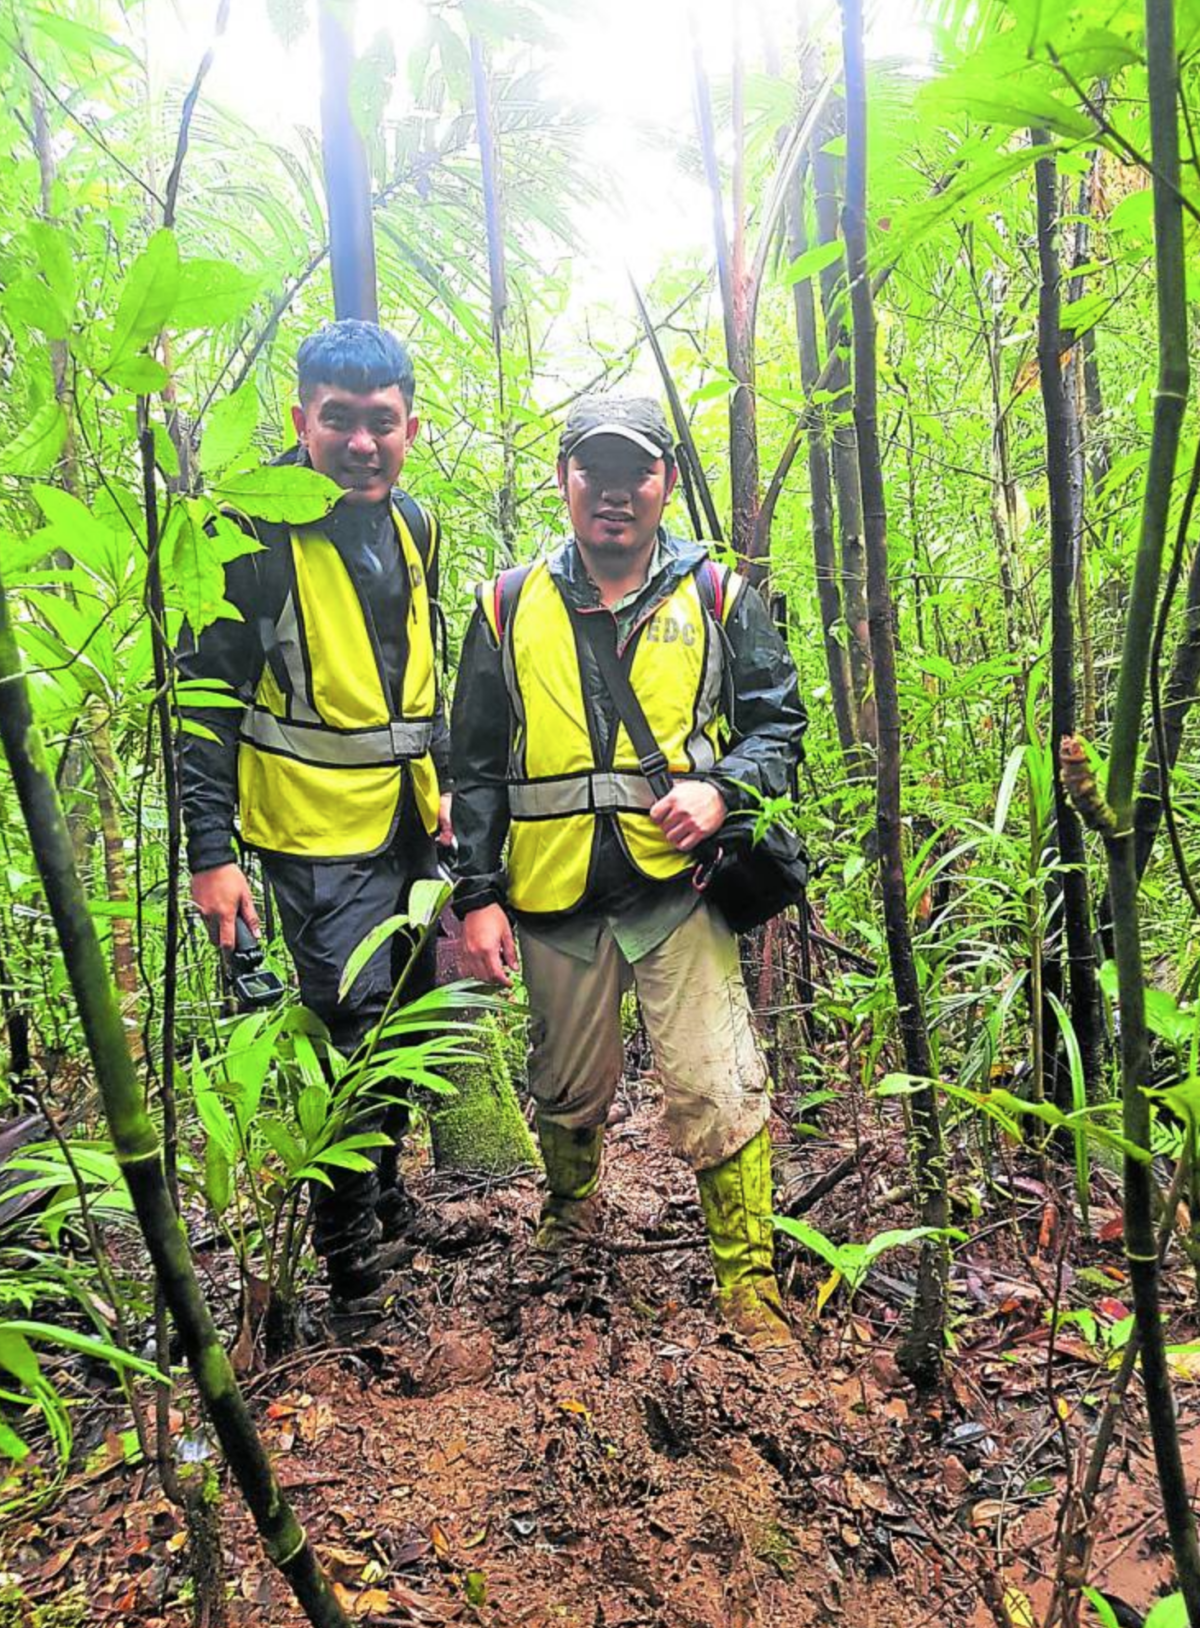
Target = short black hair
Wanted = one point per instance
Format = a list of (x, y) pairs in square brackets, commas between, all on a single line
[(354, 355)]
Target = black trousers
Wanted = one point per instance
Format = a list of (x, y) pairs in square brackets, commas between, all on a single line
[(325, 909)]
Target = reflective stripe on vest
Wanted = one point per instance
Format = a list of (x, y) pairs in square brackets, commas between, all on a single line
[(556, 787), (598, 793), (321, 768), (315, 744)]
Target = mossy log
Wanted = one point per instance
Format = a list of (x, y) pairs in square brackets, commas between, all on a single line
[(481, 1127)]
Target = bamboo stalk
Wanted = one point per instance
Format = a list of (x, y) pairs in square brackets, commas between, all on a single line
[(920, 1355), (137, 1147), (1065, 528), (1169, 402)]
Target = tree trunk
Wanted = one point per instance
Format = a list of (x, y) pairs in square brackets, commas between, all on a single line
[(920, 1355), (482, 1128), (1063, 473)]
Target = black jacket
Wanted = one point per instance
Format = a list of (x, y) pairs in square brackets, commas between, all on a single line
[(232, 653), (766, 727)]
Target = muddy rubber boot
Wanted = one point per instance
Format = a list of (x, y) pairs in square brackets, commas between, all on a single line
[(736, 1200), (571, 1208)]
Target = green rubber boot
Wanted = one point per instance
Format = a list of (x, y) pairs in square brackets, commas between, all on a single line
[(736, 1200), (571, 1207)]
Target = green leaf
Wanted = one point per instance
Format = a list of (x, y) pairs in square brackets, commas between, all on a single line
[(194, 575), (147, 296), (230, 429), (811, 262), (1105, 1614), (1169, 1613), (56, 260), (427, 898), (77, 39), (84, 1344), (810, 1237), (210, 293), (218, 1177), (31, 302), (312, 1109), (285, 494), (141, 374), (367, 946), (36, 449), (1008, 785), (18, 1358), (11, 1444), (78, 531)]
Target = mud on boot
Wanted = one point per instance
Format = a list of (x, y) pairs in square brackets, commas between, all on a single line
[(736, 1200), (571, 1209)]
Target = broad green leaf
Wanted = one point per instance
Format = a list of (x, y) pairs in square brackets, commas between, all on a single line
[(193, 573), (18, 1358), (78, 531), (1169, 1613), (811, 262), (312, 1109), (210, 293), (11, 1444), (56, 259), (141, 374), (36, 449), (77, 39), (147, 296), (427, 898), (286, 494), (810, 1237), (230, 429), (33, 303)]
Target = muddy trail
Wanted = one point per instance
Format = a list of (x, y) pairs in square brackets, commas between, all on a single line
[(594, 1451)]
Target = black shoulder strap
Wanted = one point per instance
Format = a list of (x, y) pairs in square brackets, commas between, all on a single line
[(422, 528), (600, 634)]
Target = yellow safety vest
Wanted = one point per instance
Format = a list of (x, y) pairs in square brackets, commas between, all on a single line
[(321, 757), (556, 787)]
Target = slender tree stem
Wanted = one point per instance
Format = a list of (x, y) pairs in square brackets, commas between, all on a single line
[(1169, 401), (137, 1147), (921, 1353)]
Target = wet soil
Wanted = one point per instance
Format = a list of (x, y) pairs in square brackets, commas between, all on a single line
[(594, 1450)]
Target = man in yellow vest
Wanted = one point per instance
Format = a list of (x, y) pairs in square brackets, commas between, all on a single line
[(337, 768), (599, 869)]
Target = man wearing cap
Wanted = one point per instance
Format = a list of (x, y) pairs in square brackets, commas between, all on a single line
[(598, 874)]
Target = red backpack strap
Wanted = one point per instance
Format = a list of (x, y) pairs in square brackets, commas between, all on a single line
[(506, 590)]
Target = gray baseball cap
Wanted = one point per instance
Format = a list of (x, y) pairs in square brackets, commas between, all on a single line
[(639, 419)]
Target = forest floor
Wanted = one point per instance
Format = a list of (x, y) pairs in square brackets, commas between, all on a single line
[(600, 1453)]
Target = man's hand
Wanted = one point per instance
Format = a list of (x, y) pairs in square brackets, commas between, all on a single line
[(489, 951), (445, 830), (221, 896), (690, 812)]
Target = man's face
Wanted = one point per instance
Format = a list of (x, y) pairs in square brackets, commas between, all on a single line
[(615, 494), (360, 441)]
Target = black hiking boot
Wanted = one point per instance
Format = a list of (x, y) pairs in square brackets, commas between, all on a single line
[(363, 1285)]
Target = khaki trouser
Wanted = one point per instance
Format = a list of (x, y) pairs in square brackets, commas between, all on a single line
[(697, 1016)]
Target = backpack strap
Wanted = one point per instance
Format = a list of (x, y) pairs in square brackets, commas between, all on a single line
[(424, 530), (498, 599)]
